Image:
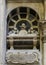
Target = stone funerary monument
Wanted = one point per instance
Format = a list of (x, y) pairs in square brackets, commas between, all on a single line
[(22, 32)]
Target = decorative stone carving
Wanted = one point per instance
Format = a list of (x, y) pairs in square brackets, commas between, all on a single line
[(23, 56), (15, 31), (31, 30), (18, 35), (23, 29)]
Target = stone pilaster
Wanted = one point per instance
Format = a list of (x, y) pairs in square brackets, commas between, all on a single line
[(2, 32), (45, 8), (44, 53), (44, 42)]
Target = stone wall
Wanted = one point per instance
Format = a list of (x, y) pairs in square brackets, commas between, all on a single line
[(38, 7), (2, 32), (45, 36), (27, 1), (3, 25)]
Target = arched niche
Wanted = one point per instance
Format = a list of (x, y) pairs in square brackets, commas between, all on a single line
[(24, 15), (21, 15)]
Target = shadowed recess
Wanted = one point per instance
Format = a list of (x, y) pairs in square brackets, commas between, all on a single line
[(28, 1)]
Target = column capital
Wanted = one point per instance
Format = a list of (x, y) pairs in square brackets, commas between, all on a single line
[(42, 21)]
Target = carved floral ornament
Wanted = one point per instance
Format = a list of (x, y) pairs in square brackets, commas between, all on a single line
[(27, 57)]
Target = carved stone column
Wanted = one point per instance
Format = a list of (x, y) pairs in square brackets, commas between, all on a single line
[(45, 8), (11, 44), (2, 32), (44, 42), (34, 43)]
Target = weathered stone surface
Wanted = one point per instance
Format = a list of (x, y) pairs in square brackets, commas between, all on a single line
[(34, 1), (23, 56), (45, 8), (2, 32), (44, 53), (3, 25), (39, 9)]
